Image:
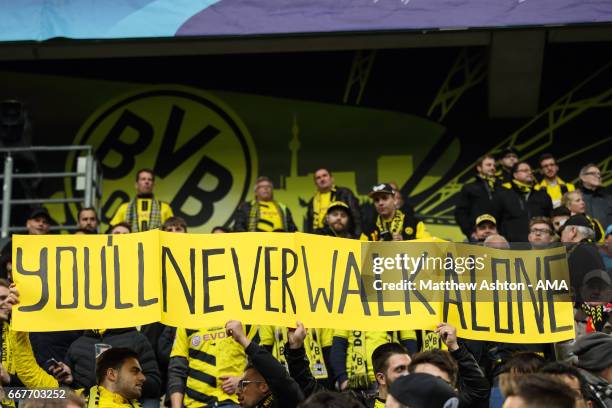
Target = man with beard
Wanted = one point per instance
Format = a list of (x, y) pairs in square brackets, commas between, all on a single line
[(119, 378), (552, 183), (88, 220), (338, 221), (326, 194)]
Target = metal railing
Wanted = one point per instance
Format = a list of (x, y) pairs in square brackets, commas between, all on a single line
[(91, 176)]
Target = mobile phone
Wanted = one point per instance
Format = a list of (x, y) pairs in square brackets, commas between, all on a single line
[(52, 364)]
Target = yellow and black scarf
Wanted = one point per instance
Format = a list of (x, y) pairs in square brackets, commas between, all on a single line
[(394, 226)]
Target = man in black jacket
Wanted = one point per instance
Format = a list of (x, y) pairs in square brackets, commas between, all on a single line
[(266, 383), (582, 255), (390, 361), (326, 194), (598, 202), (457, 366), (476, 198), (518, 202), (507, 160), (263, 214), (82, 354)]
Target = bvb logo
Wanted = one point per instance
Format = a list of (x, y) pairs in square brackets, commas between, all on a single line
[(201, 152)]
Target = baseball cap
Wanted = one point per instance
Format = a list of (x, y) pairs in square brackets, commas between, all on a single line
[(597, 274), (577, 220), (485, 217), (420, 390), (39, 212), (383, 188), (338, 204)]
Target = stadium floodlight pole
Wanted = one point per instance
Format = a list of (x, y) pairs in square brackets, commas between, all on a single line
[(6, 199)]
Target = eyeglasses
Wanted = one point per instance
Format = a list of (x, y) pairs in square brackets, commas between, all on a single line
[(243, 383), (524, 171), (540, 231), (593, 173)]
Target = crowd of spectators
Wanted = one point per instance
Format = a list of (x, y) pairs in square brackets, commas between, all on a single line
[(270, 366)]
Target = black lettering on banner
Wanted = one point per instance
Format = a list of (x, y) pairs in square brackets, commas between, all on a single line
[(104, 284), (191, 188), (473, 301), (42, 273), (141, 279), (189, 294), (449, 275), (357, 342), (127, 151), (411, 278), (207, 279), (269, 278), (285, 278), (117, 276), (58, 278), (551, 293), (352, 266), (538, 312), (246, 306), (328, 300), (498, 328)]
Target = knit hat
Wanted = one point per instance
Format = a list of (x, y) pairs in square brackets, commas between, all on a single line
[(594, 351), (420, 390)]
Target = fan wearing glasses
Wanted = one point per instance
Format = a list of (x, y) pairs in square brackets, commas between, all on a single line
[(597, 200), (265, 383)]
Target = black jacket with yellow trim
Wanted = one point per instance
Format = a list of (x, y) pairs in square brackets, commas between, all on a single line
[(474, 199), (242, 215), (513, 211), (286, 393), (337, 194), (81, 358)]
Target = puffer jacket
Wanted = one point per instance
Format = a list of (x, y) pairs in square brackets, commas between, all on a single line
[(81, 357)]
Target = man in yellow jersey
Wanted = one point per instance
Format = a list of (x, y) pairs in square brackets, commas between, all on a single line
[(391, 223), (327, 193), (263, 214), (119, 378), (144, 212), (317, 345), (551, 182), (205, 367)]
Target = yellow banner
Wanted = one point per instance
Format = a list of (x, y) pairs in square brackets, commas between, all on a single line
[(202, 280)]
